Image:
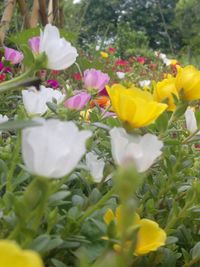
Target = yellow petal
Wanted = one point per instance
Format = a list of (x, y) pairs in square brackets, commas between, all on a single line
[(11, 255), (109, 216), (165, 90), (134, 106), (150, 237)]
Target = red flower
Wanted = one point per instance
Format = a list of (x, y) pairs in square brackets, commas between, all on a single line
[(2, 77), (141, 60), (77, 76), (112, 50), (55, 72), (121, 62)]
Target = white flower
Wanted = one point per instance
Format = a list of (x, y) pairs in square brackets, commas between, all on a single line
[(144, 83), (191, 122), (95, 165), (167, 61), (53, 149), (162, 56), (120, 74), (141, 150), (35, 101), (60, 53), (3, 118)]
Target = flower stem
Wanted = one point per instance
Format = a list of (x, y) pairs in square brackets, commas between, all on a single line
[(13, 163), (97, 206), (12, 84), (190, 136)]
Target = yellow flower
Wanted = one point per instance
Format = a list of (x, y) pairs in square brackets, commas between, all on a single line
[(188, 80), (149, 237), (165, 90), (104, 54), (85, 114), (173, 62), (11, 255), (134, 106)]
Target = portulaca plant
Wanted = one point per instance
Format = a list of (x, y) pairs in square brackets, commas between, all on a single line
[(99, 164)]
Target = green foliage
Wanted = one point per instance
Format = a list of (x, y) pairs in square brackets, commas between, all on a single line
[(188, 21), (130, 42)]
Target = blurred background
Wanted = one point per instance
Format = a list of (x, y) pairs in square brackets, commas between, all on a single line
[(135, 27)]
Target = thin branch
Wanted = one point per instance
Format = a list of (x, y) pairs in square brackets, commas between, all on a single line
[(42, 11), (6, 19), (56, 11), (61, 17), (23, 7), (50, 11), (35, 14), (165, 26)]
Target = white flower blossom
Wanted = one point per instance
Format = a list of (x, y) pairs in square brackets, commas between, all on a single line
[(144, 83), (120, 74), (95, 165), (35, 101), (53, 149), (190, 119), (3, 118), (141, 150), (60, 53)]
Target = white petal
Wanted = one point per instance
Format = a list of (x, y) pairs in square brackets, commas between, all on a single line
[(53, 149), (95, 165), (191, 122)]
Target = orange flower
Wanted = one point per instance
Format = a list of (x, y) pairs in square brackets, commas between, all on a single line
[(101, 101)]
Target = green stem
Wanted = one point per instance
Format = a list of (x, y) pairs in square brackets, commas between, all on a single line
[(13, 163), (190, 136), (13, 83), (97, 206), (192, 262), (182, 213)]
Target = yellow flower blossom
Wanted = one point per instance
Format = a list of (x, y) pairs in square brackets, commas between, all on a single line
[(188, 80), (104, 54), (165, 90), (11, 255), (85, 114), (134, 106), (149, 237)]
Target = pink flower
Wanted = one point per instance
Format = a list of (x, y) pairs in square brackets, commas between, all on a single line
[(53, 83), (13, 55), (78, 101), (34, 44), (141, 60), (95, 79)]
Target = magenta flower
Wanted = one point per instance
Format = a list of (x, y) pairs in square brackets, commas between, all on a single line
[(78, 101), (95, 79), (53, 83), (1, 66), (34, 44), (13, 55)]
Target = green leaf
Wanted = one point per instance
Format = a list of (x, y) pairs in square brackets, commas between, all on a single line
[(196, 251), (57, 197), (58, 263), (21, 38), (197, 115), (28, 56), (18, 124)]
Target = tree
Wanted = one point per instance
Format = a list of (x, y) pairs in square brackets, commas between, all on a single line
[(188, 22)]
